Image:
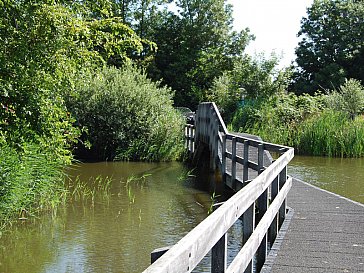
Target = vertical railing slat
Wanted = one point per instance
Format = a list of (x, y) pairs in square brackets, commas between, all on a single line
[(246, 159), (233, 163), (262, 205), (273, 230), (223, 158), (248, 228), (282, 210), (219, 256)]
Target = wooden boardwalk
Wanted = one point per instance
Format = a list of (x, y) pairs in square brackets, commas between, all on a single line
[(326, 233), (323, 232)]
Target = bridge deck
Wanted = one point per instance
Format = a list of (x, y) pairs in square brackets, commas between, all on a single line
[(326, 233)]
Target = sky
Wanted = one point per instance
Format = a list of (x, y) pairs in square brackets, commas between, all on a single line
[(275, 23)]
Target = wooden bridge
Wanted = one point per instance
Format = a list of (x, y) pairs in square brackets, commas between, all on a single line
[(259, 201), (262, 185)]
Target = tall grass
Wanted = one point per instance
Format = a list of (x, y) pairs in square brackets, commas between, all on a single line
[(85, 191), (331, 134), (305, 123), (31, 180)]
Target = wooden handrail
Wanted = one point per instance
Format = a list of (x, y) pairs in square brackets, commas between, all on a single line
[(211, 232)]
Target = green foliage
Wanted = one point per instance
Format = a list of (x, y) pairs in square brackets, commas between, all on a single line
[(348, 99), (127, 116), (195, 46), (46, 47), (307, 123), (332, 47), (250, 80), (277, 118), (331, 134), (30, 180)]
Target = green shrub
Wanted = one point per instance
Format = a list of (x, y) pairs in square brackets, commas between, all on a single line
[(277, 118), (303, 122), (331, 133), (127, 116), (348, 99)]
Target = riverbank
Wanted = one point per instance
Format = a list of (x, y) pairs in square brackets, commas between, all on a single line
[(322, 125)]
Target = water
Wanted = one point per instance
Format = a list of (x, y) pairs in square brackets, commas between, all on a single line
[(344, 176), (116, 232)]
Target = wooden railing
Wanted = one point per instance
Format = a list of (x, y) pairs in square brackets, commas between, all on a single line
[(260, 202)]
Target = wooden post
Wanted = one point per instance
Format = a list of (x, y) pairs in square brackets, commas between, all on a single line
[(246, 159), (273, 229), (219, 256), (223, 159), (191, 139), (282, 210), (248, 228), (233, 163), (157, 253), (262, 208)]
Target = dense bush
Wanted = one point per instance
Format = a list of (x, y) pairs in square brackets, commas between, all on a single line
[(251, 79), (305, 122), (331, 133), (348, 99), (127, 117), (277, 118)]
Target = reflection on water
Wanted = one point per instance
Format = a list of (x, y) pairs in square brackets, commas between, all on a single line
[(344, 176), (114, 233), (117, 232)]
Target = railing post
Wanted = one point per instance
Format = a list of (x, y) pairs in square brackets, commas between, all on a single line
[(233, 163), (191, 139), (246, 160), (262, 208), (282, 210), (273, 229), (157, 253), (219, 256), (223, 158), (248, 228)]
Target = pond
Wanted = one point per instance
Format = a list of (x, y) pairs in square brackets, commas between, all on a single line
[(344, 176), (147, 206)]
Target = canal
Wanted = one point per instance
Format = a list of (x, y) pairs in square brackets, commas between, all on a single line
[(344, 176), (146, 206)]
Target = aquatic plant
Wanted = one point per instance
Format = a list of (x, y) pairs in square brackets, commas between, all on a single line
[(31, 180), (95, 187)]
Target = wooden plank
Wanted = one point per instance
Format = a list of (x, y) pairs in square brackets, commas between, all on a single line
[(190, 250), (157, 253), (248, 229), (273, 230), (219, 256), (243, 258), (246, 161), (282, 211), (223, 158), (233, 163)]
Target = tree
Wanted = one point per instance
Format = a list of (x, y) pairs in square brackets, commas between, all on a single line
[(195, 45), (332, 46)]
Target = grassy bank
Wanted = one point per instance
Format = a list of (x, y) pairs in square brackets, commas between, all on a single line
[(324, 125)]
